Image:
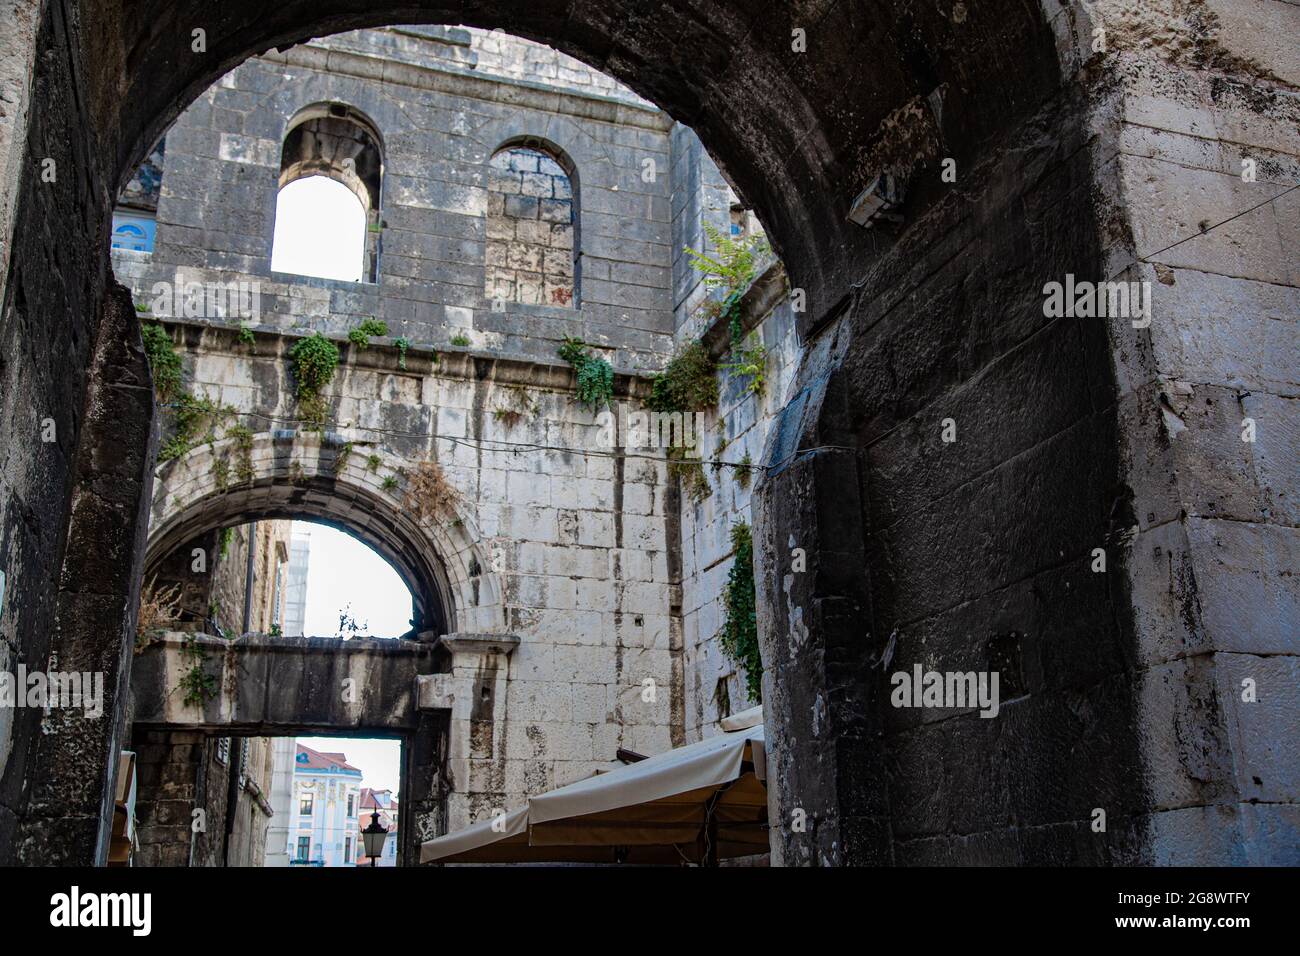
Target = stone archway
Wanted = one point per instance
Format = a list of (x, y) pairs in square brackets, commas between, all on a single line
[(444, 563), (903, 324)]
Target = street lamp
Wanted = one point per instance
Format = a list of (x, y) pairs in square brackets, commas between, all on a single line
[(373, 837)]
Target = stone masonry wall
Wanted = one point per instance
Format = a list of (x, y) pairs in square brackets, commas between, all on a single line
[(1200, 142), (581, 537), (530, 234), (217, 204), (574, 533)]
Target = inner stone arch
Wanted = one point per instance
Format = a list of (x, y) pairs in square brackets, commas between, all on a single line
[(303, 476)]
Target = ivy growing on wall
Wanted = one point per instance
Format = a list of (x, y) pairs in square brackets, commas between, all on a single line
[(688, 382), (739, 635), (197, 684), (360, 336), (164, 360), (749, 360), (690, 472), (243, 439), (196, 421), (744, 471), (314, 360), (595, 375)]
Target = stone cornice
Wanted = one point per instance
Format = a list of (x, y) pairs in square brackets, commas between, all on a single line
[(383, 356), (495, 89)]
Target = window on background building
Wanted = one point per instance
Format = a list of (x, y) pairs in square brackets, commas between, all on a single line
[(347, 850), (327, 221), (135, 219), (304, 848), (532, 233), (133, 230), (739, 222), (351, 808), (305, 803)]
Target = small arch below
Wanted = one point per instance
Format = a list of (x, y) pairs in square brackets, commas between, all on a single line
[(313, 478)]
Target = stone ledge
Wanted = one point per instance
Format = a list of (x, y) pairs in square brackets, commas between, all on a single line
[(760, 297), (489, 87), (479, 645)]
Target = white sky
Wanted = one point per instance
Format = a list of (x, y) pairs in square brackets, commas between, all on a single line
[(341, 571), (320, 230), (378, 760)]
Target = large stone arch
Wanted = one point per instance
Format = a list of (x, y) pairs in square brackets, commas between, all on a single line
[(727, 69), (904, 322), (288, 473), (936, 83)]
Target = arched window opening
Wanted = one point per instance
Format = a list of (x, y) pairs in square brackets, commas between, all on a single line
[(320, 230), (278, 577), (532, 229), (330, 151)]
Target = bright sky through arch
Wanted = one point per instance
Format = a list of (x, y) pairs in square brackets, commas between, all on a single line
[(343, 572), (320, 230)]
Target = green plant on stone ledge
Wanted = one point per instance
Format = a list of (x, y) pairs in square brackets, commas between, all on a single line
[(221, 474), (341, 458), (360, 336), (197, 684), (749, 360), (196, 422), (314, 360), (461, 341), (372, 463), (246, 336), (731, 269), (688, 382), (242, 436), (595, 375), (734, 261), (402, 343), (739, 635), (164, 361)]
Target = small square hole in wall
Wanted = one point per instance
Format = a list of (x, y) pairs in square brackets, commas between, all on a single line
[(722, 696)]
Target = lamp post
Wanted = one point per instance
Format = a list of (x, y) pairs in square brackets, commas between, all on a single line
[(373, 837)]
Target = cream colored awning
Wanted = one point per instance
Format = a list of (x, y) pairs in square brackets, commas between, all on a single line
[(698, 803)]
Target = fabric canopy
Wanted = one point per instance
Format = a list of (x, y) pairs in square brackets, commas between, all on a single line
[(695, 804)]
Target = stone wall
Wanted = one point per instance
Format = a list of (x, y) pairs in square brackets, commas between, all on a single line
[(181, 772), (974, 554), (217, 205), (735, 434), (1200, 143), (530, 234), (559, 538)]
